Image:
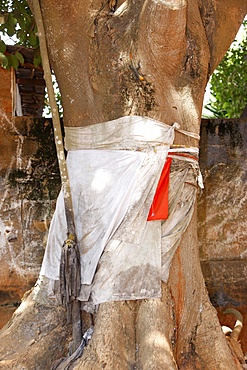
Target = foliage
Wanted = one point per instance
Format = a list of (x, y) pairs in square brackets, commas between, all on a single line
[(17, 20), (229, 82), (47, 111)]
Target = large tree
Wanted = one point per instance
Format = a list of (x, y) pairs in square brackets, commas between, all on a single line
[(147, 58)]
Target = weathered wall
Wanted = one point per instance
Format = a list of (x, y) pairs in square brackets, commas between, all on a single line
[(6, 94), (29, 183), (223, 203), (222, 210)]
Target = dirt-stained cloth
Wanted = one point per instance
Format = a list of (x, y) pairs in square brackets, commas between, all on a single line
[(114, 169)]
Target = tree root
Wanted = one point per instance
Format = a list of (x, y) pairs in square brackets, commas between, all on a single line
[(35, 337)]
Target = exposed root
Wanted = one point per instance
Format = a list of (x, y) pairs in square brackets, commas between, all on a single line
[(30, 339), (232, 335)]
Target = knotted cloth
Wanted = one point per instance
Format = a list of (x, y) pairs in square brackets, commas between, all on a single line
[(114, 168)]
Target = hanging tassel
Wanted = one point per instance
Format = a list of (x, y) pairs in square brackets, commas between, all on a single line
[(69, 274)]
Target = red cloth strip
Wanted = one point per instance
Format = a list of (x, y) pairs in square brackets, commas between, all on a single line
[(159, 207)]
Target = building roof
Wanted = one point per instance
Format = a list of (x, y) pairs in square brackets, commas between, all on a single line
[(31, 83)]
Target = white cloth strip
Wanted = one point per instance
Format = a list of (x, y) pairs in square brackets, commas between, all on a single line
[(185, 150), (129, 132), (125, 133)]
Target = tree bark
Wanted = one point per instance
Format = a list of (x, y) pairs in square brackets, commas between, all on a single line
[(98, 56)]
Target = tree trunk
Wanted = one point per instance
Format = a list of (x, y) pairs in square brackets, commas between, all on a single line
[(147, 58)]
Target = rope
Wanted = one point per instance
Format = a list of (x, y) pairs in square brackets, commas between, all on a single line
[(65, 363)]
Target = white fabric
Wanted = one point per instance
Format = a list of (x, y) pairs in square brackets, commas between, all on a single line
[(18, 105), (125, 133), (182, 196), (122, 255)]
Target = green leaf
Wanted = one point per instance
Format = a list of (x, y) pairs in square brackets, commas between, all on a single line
[(12, 20), (37, 61), (2, 46), (19, 56), (3, 60), (13, 61), (10, 29), (33, 39)]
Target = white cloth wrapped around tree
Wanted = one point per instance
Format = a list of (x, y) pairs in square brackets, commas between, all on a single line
[(114, 168)]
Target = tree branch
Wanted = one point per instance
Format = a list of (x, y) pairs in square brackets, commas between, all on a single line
[(222, 19)]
